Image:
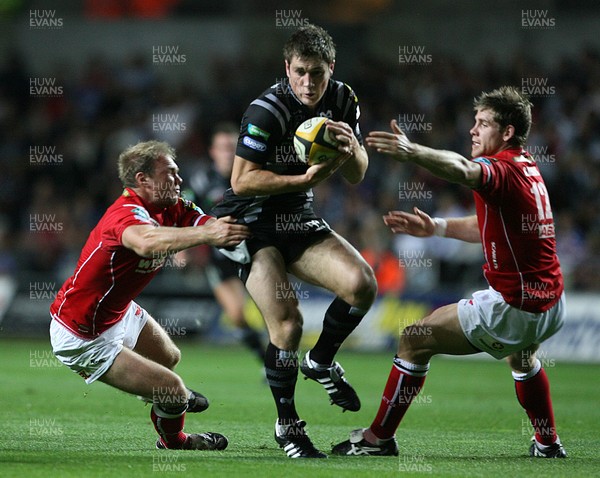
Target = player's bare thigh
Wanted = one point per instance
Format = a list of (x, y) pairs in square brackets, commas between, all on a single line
[(155, 344), (268, 285), (334, 264), (132, 373), (438, 333)]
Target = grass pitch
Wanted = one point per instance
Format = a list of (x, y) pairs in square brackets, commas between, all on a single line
[(465, 423)]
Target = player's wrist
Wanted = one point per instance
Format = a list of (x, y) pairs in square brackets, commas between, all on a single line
[(440, 225)]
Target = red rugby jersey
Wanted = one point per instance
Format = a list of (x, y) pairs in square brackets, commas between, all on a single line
[(517, 231), (108, 276)]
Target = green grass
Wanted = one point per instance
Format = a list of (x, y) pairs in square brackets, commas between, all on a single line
[(466, 424)]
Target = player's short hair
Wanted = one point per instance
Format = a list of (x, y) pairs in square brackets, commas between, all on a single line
[(510, 107), (310, 41), (141, 157), (226, 127)]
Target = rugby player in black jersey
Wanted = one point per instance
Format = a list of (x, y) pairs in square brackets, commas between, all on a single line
[(272, 194)]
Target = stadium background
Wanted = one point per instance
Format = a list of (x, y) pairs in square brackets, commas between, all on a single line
[(80, 80)]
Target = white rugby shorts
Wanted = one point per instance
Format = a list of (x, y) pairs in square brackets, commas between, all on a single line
[(91, 358), (499, 329)]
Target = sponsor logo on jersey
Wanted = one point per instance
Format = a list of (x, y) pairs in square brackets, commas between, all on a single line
[(190, 205), (148, 265), (256, 131), (546, 231), (253, 144), (482, 161), (142, 215)]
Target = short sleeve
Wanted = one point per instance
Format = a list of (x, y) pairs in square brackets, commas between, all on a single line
[(190, 215), (121, 218), (262, 128), (352, 113), (494, 178)]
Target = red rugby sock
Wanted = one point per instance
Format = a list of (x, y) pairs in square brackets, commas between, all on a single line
[(404, 383), (533, 393), (169, 426)]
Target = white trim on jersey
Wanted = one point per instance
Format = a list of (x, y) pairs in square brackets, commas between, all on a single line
[(340, 96), (512, 252), (272, 109), (483, 236), (75, 277), (278, 102), (112, 275)]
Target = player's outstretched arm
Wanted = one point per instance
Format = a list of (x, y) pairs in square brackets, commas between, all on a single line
[(420, 224), (447, 165), (148, 240), (355, 167)]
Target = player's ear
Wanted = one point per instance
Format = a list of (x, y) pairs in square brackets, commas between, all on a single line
[(331, 67), (287, 68), (141, 179), (509, 133)]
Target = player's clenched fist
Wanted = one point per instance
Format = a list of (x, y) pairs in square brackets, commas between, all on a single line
[(225, 232)]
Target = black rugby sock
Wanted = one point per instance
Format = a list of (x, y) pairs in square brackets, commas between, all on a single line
[(281, 367), (339, 322)]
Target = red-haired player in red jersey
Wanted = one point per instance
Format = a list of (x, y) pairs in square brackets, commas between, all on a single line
[(524, 304), (98, 330)]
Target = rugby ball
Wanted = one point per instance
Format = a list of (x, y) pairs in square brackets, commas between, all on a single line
[(314, 143)]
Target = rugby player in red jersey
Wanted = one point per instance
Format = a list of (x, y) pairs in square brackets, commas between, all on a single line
[(524, 304), (98, 330)]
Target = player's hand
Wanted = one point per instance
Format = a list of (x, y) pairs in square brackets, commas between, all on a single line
[(343, 133), (419, 224), (224, 232), (395, 144), (319, 172)]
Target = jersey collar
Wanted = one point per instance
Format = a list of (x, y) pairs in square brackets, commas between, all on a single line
[(153, 210)]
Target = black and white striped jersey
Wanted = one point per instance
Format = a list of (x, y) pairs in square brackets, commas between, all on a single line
[(266, 137)]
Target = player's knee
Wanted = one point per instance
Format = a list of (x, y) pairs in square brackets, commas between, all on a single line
[(413, 344), (361, 286), (286, 328), (170, 393), (172, 357), (521, 362), (175, 356), (293, 322)]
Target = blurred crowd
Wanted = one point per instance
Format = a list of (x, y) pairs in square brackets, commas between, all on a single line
[(58, 151)]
